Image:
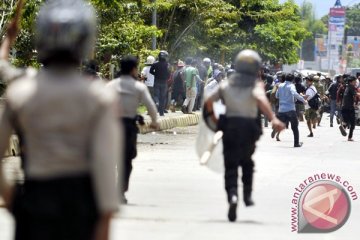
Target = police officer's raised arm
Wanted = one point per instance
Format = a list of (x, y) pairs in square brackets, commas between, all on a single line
[(7, 71)]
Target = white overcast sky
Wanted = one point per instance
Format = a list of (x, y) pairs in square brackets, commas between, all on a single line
[(322, 6)]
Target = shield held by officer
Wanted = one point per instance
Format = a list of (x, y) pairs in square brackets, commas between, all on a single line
[(209, 145), (212, 114)]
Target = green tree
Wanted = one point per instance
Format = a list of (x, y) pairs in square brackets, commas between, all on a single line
[(122, 31), (218, 29), (24, 46), (274, 29), (193, 27), (6, 10), (353, 20)]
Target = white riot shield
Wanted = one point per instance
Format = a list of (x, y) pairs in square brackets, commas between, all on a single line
[(209, 146)]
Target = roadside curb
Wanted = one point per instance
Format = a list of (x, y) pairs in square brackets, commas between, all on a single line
[(172, 122), (165, 124)]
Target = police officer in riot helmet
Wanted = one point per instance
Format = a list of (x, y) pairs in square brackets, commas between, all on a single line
[(72, 135), (243, 94), (161, 73), (163, 56)]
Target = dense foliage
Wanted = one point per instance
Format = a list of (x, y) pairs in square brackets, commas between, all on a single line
[(217, 29), (353, 20)]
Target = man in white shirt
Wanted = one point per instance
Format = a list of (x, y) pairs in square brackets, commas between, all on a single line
[(310, 112), (146, 76)]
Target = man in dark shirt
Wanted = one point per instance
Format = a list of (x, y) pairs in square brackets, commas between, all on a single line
[(161, 72), (332, 93), (300, 89), (341, 90), (348, 109)]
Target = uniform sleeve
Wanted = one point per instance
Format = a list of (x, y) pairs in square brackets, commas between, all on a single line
[(149, 103), (106, 155), (9, 72), (5, 133)]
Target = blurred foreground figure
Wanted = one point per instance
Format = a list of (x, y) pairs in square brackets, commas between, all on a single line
[(131, 93), (68, 133), (243, 93)]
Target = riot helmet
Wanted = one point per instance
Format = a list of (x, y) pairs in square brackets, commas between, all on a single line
[(247, 66), (248, 62), (163, 56), (65, 29)]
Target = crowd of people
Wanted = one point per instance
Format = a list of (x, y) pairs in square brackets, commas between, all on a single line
[(181, 84), (294, 96)]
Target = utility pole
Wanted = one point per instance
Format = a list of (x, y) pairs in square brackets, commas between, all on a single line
[(154, 23)]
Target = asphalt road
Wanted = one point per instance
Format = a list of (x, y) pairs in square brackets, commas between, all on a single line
[(172, 197)]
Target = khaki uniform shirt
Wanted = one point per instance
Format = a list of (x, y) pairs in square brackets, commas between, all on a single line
[(239, 101), (130, 94)]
